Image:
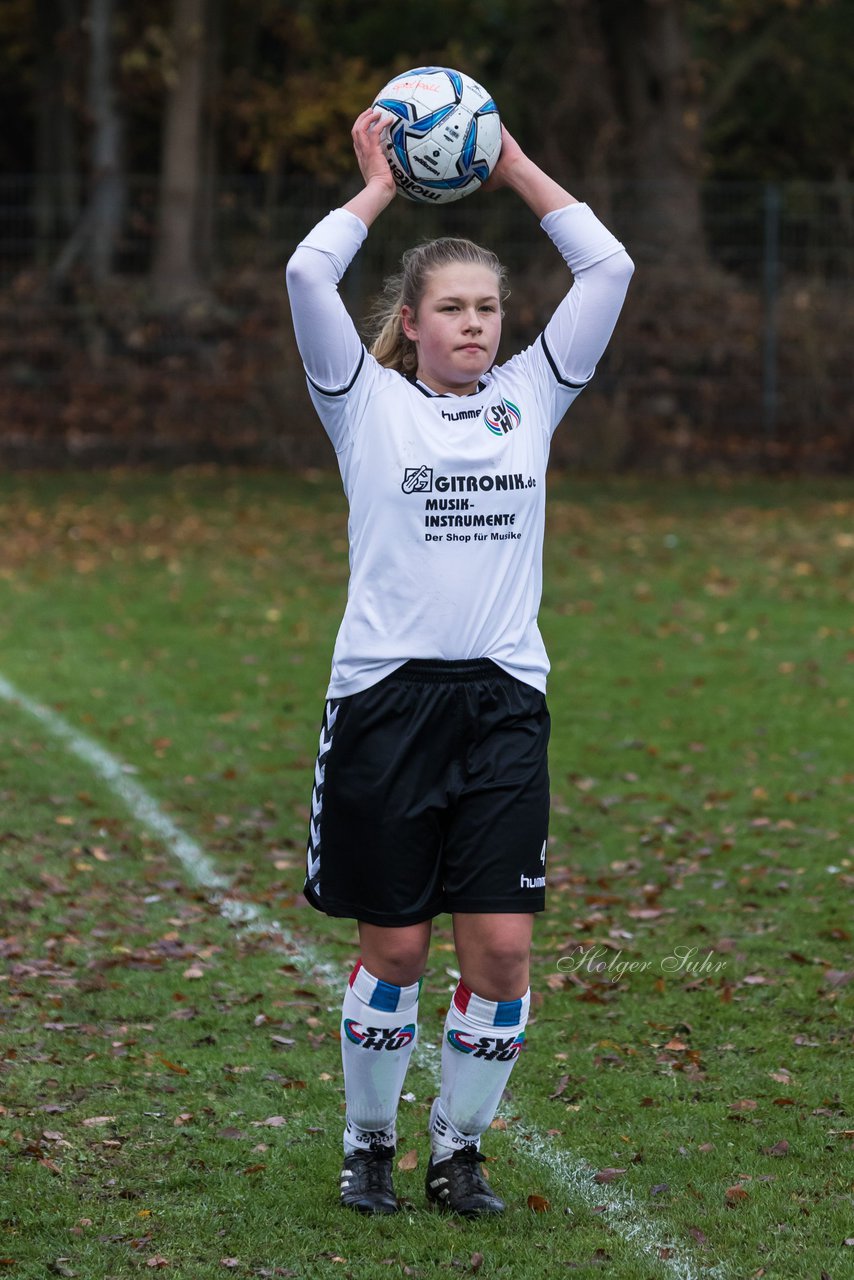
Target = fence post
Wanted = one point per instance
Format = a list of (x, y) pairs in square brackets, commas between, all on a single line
[(770, 300)]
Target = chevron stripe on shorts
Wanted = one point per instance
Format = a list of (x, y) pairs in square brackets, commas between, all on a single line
[(312, 869)]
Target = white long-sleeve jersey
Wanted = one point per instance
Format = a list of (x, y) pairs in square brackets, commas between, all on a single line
[(447, 493)]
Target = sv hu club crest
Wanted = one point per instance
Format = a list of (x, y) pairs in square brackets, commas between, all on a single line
[(501, 418)]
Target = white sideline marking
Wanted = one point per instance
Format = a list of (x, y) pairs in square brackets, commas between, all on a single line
[(575, 1175), (625, 1216), (197, 865)]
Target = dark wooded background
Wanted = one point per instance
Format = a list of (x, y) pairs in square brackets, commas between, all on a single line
[(160, 160)]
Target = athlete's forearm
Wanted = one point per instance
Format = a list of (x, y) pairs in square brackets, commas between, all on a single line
[(371, 201), (541, 193)]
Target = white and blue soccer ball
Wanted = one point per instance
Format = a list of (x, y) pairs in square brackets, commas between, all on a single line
[(444, 137)]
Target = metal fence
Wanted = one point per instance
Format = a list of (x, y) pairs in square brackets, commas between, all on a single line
[(749, 359)]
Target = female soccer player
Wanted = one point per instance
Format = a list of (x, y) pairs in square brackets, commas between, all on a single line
[(431, 785)]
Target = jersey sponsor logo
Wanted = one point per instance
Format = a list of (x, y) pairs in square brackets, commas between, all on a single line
[(422, 480), (503, 417), (378, 1037), (490, 1048), (417, 480), (532, 882)]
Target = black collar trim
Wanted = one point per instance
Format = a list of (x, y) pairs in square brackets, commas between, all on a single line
[(440, 395)]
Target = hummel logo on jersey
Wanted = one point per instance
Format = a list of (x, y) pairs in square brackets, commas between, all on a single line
[(492, 1048), (532, 882), (378, 1037), (461, 415), (417, 480), (502, 418)]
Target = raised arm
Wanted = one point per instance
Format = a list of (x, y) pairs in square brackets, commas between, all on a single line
[(328, 342), (581, 327), (517, 171)]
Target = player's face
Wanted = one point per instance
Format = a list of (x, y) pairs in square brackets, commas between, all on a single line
[(456, 328)]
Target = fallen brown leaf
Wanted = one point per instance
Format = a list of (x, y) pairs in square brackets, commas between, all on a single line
[(560, 1088), (408, 1162), (173, 1066), (539, 1204), (780, 1148)]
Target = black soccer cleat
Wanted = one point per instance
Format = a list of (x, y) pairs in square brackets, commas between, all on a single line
[(458, 1185), (366, 1184)]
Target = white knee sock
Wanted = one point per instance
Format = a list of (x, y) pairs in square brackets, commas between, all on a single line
[(378, 1030), (482, 1040)]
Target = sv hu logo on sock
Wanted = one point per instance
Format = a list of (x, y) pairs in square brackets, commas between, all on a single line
[(492, 1048), (379, 1037)]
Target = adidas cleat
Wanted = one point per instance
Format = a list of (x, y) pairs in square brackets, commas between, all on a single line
[(366, 1184), (458, 1185)]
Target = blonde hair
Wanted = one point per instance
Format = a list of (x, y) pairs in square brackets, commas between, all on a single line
[(390, 346)]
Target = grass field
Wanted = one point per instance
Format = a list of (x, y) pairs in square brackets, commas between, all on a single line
[(170, 1079)]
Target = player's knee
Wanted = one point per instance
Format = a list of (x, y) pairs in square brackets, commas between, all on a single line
[(400, 961), (499, 970)]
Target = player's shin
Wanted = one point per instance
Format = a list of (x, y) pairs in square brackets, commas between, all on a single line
[(378, 1031), (482, 1040)]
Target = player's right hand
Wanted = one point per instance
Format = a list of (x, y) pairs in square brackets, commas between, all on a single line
[(370, 152)]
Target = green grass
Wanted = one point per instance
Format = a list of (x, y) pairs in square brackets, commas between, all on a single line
[(702, 767)]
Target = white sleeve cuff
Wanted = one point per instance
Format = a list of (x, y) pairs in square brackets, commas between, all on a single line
[(579, 235), (340, 235)]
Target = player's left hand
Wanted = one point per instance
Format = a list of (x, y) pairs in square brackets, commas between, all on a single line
[(511, 153)]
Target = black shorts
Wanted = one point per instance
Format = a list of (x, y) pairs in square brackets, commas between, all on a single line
[(431, 794)]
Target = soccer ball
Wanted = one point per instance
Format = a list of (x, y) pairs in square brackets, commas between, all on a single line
[(445, 137)]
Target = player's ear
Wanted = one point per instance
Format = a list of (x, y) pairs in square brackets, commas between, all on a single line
[(407, 323)]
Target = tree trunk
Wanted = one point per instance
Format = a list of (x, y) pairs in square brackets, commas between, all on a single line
[(206, 226), (57, 162), (176, 276), (656, 85), (108, 180)]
